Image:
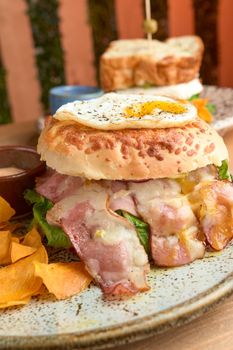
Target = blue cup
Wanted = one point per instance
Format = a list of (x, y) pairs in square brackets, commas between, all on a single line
[(61, 95)]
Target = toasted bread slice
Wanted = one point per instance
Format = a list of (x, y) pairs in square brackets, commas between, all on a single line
[(139, 62)]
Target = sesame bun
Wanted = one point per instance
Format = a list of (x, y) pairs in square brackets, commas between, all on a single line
[(132, 154)]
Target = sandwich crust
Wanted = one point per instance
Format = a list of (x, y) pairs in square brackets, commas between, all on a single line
[(132, 154)]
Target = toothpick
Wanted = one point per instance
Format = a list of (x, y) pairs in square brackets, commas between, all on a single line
[(148, 16)]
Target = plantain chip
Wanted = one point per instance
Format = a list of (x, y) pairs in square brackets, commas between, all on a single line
[(3, 225), (32, 238), (14, 303), (63, 279), (18, 281), (6, 212), (19, 251), (41, 291), (5, 244), (15, 239)]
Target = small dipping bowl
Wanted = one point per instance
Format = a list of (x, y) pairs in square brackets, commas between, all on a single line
[(12, 187), (61, 95)]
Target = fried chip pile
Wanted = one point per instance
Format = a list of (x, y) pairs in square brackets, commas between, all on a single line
[(25, 270)]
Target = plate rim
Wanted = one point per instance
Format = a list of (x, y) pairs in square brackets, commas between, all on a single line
[(128, 332)]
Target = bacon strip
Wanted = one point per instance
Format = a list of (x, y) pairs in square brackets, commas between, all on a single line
[(175, 229), (55, 186), (106, 242), (172, 222), (214, 201)]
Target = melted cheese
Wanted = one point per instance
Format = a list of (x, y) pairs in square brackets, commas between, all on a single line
[(115, 111), (190, 180)]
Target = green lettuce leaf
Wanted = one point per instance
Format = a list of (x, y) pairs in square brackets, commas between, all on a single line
[(223, 171), (194, 97), (141, 227), (147, 85), (33, 197), (211, 108), (56, 237)]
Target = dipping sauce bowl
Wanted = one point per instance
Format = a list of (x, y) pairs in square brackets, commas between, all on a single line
[(12, 187)]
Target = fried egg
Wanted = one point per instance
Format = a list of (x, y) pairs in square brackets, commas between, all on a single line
[(114, 112)]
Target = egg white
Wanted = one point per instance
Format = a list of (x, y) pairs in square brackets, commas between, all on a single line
[(183, 91), (108, 113)]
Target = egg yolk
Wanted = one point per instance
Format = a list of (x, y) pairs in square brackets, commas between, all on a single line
[(139, 110)]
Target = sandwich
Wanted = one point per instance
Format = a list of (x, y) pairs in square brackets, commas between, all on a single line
[(169, 68), (133, 182)]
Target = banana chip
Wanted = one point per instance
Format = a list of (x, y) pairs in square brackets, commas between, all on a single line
[(15, 303), (19, 251), (41, 291), (18, 281), (5, 244), (6, 212), (63, 279), (32, 238), (15, 239)]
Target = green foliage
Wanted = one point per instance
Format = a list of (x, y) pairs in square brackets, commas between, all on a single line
[(56, 237), (4, 104), (194, 97), (141, 227), (223, 171), (103, 24), (49, 54), (211, 108)]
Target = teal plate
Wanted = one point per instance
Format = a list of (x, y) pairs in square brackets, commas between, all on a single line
[(177, 295)]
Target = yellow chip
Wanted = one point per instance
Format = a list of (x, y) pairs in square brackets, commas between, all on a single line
[(15, 239), (63, 279), (41, 291), (19, 251), (14, 303), (5, 244), (18, 281), (6, 212), (32, 238)]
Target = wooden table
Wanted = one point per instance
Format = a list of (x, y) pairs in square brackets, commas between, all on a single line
[(212, 331)]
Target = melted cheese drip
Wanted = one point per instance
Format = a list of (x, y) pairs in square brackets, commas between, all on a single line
[(141, 109)]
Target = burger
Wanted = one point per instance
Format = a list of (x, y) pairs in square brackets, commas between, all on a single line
[(133, 182)]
